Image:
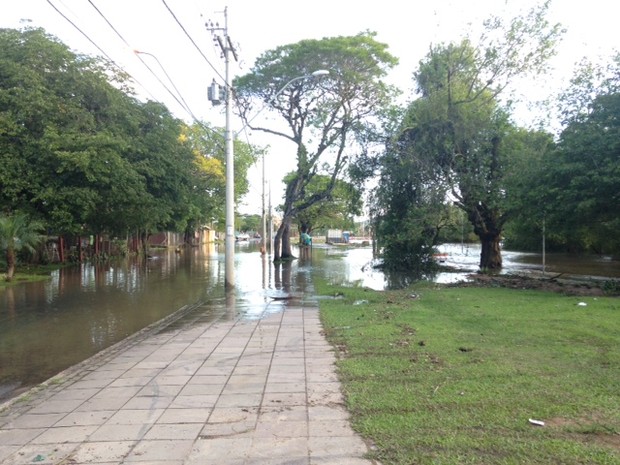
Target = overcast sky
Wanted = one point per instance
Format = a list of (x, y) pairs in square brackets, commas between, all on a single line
[(174, 32)]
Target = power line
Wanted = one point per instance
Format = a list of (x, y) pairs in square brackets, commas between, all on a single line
[(118, 67), (193, 42), (182, 101)]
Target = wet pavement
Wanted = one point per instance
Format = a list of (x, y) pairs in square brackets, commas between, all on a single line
[(195, 388)]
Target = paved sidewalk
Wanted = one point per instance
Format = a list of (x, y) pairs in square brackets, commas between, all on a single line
[(252, 386)]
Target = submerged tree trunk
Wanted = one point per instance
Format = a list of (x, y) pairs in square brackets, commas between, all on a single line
[(10, 263), (282, 242), (491, 253), (487, 224)]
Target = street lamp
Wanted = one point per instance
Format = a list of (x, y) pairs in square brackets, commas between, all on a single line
[(229, 273), (178, 97)]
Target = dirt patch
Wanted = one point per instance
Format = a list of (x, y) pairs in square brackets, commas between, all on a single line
[(551, 284), (586, 431)]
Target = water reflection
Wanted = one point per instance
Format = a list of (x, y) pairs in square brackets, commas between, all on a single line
[(46, 327)]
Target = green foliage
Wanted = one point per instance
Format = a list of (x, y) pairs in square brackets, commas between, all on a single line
[(79, 152), (574, 186), (323, 117), (453, 141), (454, 374), (335, 211), (583, 178), (248, 223)]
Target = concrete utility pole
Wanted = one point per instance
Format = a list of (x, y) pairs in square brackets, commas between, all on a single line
[(228, 49)]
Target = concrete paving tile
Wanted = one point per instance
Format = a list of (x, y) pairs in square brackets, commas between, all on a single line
[(239, 400), (288, 361), (201, 389), (282, 428), (57, 406), (94, 405), (199, 401), (322, 377), (209, 370), (273, 399), (208, 450), (148, 403), (91, 383), (105, 375), (155, 451), (335, 447), (135, 417), (185, 415), (330, 428), (124, 392), (244, 388), (283, 413), (6, 451), (282, 447), (85, 418), (172, 380), (75, 394), (149, 365), (341, 461), (182, 369), (123, 382), (28, 420), (208, 379), (64, 434), (278, 461), (174, 431), (228, 430), (283, 377), (325, 412), (321, 397), (45, 454), (285, 387), (119, 433), (140, 373), (156, 390), (101, 452), (116, 365), (233, 414)]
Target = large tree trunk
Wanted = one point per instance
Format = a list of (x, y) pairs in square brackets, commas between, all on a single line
[(491, 253), (488, 227), (282, 242)]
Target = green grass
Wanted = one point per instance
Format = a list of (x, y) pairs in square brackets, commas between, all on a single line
[(454, 375), (27, 274)]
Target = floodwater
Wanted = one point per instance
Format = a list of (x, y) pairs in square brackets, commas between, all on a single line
[(48, 326)]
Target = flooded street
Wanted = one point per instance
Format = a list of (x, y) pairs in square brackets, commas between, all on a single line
[(48, 326)]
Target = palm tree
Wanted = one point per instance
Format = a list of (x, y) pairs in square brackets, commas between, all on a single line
[(17, 233)]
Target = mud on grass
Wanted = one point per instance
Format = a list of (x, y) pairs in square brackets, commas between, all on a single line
[(555, 283)]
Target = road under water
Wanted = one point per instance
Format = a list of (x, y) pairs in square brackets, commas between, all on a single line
[(46, 327)]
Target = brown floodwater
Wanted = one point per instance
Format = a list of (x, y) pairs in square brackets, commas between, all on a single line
[(48, 326)]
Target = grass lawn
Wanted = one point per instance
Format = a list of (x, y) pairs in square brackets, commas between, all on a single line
[(27, 273), (448, 375)]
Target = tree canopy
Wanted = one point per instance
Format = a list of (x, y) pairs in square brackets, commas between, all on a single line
[(453, 141), (323, 117), (84, 156)]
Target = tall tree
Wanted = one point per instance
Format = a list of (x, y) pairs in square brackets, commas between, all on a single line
[(458, 126), (322, 117)]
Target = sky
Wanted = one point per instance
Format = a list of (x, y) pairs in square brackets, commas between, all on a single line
[(182, 54)]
